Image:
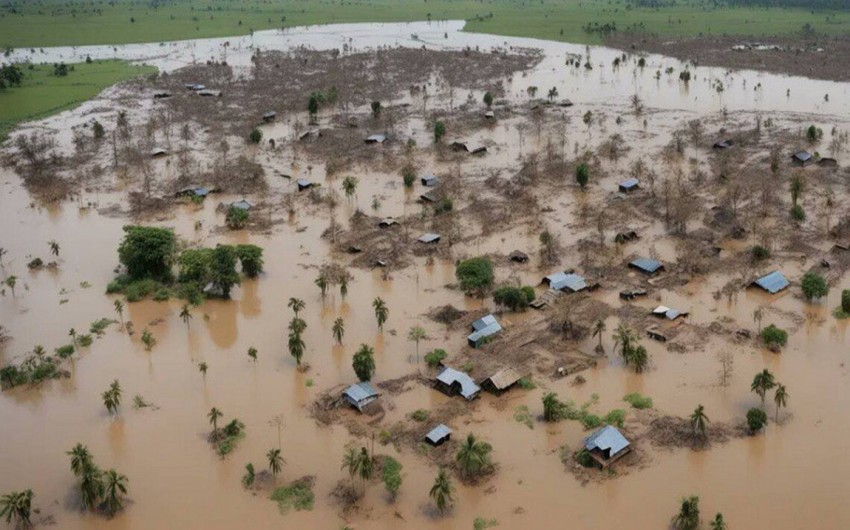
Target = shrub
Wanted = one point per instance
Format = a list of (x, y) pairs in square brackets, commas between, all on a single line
[(582, 175), (408, 174), (251, 258), (391, 475), (141, 289), (488, 99), (439, 130), (526, 383), (236, 218), (616, 417), (419, 415), (98, 130), (813, 134), (797, 213), (773, 336), (162, 295), (584, 459), (814, 286), (514, 298), (638, 401), (530, 295), (256, 136), (760, 253), (445, 205), (475, 275), (376, 108), (434, 357), (756, 419)]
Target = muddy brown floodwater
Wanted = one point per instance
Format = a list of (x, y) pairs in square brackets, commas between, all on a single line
[(791, 476)]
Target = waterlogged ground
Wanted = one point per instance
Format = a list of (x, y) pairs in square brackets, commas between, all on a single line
[(792, 476)]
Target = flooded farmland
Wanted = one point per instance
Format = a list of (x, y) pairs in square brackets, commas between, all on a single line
[(699, 211)]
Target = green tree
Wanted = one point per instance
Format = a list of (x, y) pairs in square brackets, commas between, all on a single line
[(488, 99), (639, 358), (774, 337), (511, 297), (296, 347), (762, 382), (116, 488), (186, 314), (441, 491), (148, 339), (582, 175), (112, 397), (598, 330), (236, 218), (391, 476), (756, 419), (366, 467), (92, 487), (553, 409), (718, 523), (249, 476), (252, 353), (625, 338), (781, 398), (119, 308), (147, 252), (416, 334), (553, 93), (814, 286), (10, 282), (475, 275), (16, 507), (688, 516), (439, 130), (202, 367), (796, 187), (251, 258), (349, 186), (54, 247), (363, 363), (338, 330), (313, 107), (296, 305), (223, 269), (275, 462), (473, 457), (376, 109), (351, 463), (699, 421), (382, 313), (256, 136), (81, 459), (322, 283), (213, 415)]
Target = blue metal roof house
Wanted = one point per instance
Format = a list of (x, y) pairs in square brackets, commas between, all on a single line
[(430, 238), (429, 180), (438, 435), (802, 158), (242, 205), (563, 281), (629, 184), (482, 329), (773, 282), (304, 184), (606, 445), (359, 395), (668, 312), (647, 265), (451, 381)]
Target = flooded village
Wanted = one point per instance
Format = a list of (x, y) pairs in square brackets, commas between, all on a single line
[(397, 275)]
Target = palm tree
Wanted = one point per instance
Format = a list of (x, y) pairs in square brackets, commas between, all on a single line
[(116, 487), (296, 304), (119, 308), (109, 402), (115, 388), (688, 516), (698, 420), (248, 478), (363, 363), (473, 456), (718, 523), (441, 491), (275, 462), (624, 337), (91, 487), (54, 247), (338, 330), (73, 334), (762, 382), (416, 334), (552, 408), (81, 459), (11, 281), (186, 314), (351, 463), (639, 359), (296, 347), (252, 353), (366, 467), (381, 312), (16, 506), (213, 415), (349, 184), (343, 287), (322, 283), (796, 188), (598, 329), (202, 366), (758, 315), (297, 326), (780, 398)]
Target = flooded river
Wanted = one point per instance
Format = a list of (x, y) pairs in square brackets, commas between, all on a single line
[(790, 477)]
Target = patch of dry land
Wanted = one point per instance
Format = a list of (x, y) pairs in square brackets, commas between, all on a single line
[(341, 222)]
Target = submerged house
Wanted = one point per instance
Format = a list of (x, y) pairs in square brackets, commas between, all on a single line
[(438, 435), (431, 196), (158, 151), (802, 158), (360, 395), (199, 192), (606, 445), (210, 93), (563, 281), (387, 222), (628, 185), (501, 380), (269, 116), (429, 180), (242, 205), (376, 139), (429, 238), (723, 144), (663, 311), (161, 95), (451, 382), (483, 329), (772, 283), (647, 265), (304, 184), (518, 257)]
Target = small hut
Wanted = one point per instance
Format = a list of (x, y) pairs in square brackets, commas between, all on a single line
[(360, 395), (647, 265), (269, 117), (482, 330), (606, 445), (453, 382), (629, 185), (772, 283), (429, 239), (438, 435), (802, 158)]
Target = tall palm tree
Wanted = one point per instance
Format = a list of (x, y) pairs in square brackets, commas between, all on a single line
[(297, 305), (115, 388), (598, 329), (16, 506), (81, 459), (338, 330), (473, 456), (322, 283), (624, 337), (699, 420), (441, 491), (214, 414), (365, 468), (186, 314), (296, 347), (91, 487), (73, 334), (349, 185), (758, 316), (416, 334), (275, 462), (252, 353), (343, 286), (119, 308), (688, 516), (297, 325), (202, 367), (363, 363), (351, 463), (639, 358), (762, 382), (781, 398), (381, 312), (115, 489), (109, 402), (718, 523), (54, 247)]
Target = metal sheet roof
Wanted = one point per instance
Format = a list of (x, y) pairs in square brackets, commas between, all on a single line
[(468, 388), (360, 391), (667, 312), (377, 138), (483, 322), (606, 438), (646, 265), (242, 205), (773, 282), (429, 180), (629, 183), (429, 238), (803, 156), (438, 433), (561, 280), (303, 183)]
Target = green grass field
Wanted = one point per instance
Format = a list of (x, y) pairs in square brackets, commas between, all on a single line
[(59, 22), (42, 93)]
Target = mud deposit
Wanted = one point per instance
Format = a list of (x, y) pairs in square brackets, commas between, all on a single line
[(699, 211)]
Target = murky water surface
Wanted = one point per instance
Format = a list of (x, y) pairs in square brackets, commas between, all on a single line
[(793, 476)]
